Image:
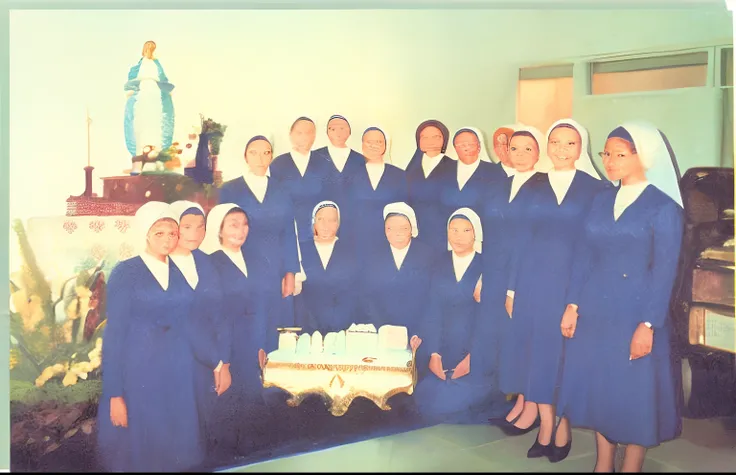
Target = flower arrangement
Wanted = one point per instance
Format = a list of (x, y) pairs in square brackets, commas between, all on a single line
[(216, 131)]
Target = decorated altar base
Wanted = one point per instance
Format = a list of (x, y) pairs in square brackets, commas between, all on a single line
[(340, 379), (62, 245)]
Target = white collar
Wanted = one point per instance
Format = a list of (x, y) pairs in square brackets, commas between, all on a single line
[(188, 267), (626, 196), (339, 156), (324, 249), (160, 270), (300, 160), (237, 259), (560, 182), (510, 171), (518, 181), (399, 254), (375, 172), (257, 184), (430, 163), (465, 172), (461, 264)]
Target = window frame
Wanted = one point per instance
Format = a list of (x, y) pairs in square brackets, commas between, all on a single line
[(653, 58)]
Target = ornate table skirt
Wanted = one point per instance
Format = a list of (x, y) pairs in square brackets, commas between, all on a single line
[(340, 383)]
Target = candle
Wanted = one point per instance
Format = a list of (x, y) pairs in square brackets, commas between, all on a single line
[(89, 121)]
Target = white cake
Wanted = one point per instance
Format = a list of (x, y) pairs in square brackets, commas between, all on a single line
[(329, 343), (317, 343), (340, 342), (287, 341), (392, 337), (304, 344), (361, 340)]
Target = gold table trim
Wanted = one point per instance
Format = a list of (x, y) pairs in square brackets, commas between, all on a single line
[(339, 404)]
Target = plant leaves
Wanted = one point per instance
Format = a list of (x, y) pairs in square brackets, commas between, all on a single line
[(51, 448), (70, 433)]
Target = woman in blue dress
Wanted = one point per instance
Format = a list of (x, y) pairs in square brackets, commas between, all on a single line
[(396, 276), (449, 392), (327, 294), (541, 274), (251, 287), (206, 319), (377, 184), (271, 214), (508, 213), (347, 164), (428, 173), (148, 418), (618, 377), (305, 174), (473, 170)]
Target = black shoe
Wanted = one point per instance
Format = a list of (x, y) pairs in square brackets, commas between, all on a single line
[(538, 450), (558, 454), (511, 430)]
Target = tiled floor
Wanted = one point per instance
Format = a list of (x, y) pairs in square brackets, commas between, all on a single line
[(706, 445)]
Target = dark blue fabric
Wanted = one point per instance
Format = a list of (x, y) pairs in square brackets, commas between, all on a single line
[(451, 330), (367, 230), (540, 277), (148, 361), (391, 296), (329, 298), (471, 196), (306, 191), (623, 275)]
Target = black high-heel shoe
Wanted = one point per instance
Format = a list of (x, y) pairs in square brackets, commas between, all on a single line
[(538, 450), (558, 454), (510, 429)]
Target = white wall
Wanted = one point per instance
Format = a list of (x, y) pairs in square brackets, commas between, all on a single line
[(258, 70)]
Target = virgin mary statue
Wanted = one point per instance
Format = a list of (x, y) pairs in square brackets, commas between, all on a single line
[(149, 110)]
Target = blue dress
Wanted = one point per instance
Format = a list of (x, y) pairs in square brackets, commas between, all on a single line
[(474, 191), (251, 304), (339, 191), (540, 280), (148, 360), (207, 327), (368, 231), (271, 231), (391, 296), (505, 226), (424, 197), (624, 275), (329, 298), (450, 329), (306, 191)]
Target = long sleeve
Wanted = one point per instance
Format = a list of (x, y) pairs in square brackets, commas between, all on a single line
[(291, 253), (116, 331), (432, 329), (667, 231), (224, 195)]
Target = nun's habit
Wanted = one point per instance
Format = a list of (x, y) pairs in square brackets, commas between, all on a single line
[(148, 361), (395, 282), (427, 178), (251, 288), (307, 178), (207, 323), (541, 273), (508, 214), (623, 275), (471, 181), (328, 301), (450, 329), (375, 186), (347, 165), (270, 213)]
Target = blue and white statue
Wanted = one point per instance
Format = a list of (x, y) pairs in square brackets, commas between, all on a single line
[(149, 110)]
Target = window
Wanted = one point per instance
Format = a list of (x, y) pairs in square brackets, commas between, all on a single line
[(544, 95), (727, 67), (649, 74)]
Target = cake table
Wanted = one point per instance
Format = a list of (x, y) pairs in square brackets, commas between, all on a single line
[(339, 379)]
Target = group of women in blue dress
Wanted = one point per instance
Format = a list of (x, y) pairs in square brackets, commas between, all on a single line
[(552, 279)]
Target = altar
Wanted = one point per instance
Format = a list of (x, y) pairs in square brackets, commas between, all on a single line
[(340, 377)]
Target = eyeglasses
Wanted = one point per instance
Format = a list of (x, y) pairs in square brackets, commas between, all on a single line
[(618, 155)]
